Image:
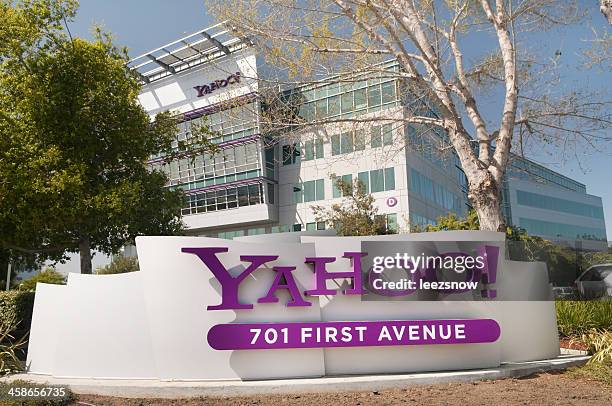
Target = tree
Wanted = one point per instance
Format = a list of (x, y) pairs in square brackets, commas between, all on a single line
[(453, 222), (49, 275), (342, 39), (74, 141), (120, 264), (606, 9), (564, 263), (356, 215)]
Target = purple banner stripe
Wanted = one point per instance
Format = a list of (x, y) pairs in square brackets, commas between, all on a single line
[(265, 336)]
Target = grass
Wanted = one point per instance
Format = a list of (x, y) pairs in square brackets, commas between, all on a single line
[(589, 322), (594, 371), (6, 399), (575, 318)]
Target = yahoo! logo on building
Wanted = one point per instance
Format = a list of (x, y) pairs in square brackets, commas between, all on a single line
[(284, 279), (217, 84)]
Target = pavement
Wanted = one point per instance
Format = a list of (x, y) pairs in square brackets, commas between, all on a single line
[(172, 389)]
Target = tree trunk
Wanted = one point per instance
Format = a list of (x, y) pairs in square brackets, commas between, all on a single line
[(606, 9), (85, 253), (485, 195)]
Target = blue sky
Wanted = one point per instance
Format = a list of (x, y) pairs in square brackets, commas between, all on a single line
[(144, 25)]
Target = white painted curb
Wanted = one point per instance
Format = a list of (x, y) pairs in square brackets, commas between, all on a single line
[(149, 388)]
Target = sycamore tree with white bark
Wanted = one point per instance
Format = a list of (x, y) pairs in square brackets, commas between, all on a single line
[(460, 58)]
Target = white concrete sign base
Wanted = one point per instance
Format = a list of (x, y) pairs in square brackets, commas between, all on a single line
[(153, 324)]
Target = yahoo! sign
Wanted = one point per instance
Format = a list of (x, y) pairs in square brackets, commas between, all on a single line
[(283, 279), (422, 271), (242, 336), (217, 84)]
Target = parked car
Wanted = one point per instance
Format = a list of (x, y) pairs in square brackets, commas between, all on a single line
[(564, 292), (595, 282)]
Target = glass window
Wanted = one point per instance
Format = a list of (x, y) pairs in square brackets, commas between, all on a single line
[(307, 111), (360, 99), (256, 231), (321, 106), (387, 134), (556, 204), (311, 226), (239, 156), (291, 154), (313, 149), (392, 222), (335, 141), (335, 189), (562, 231), (309, 150), (297, 227), (389, 179), (377, 181), (375, 136), (297, 193), (252, 155), (364, 179), (388, 92), (320, 189), (374, 96), (243, 196), (211, 201), (254, 194), (360, 140), (333, 106), (232, 199), (174, 170), (346, 143), (347, 102), (287, 155), (319, 148), (221, 200), (309, 191), (321, 225), (348, 180)]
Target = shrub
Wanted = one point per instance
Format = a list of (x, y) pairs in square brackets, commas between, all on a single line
[(16, 307), (575, 318), (600, 346), (120, 264), (10, 348), (49, 275)]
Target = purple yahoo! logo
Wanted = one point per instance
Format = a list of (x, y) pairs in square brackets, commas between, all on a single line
[(284, 279), (217, 84)]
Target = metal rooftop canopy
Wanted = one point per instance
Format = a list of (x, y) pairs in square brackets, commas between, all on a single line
[(200, 47)]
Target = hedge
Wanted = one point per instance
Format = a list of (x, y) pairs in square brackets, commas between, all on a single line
[(17, 304)]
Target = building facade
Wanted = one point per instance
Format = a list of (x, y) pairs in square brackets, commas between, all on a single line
[(258, 183)]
